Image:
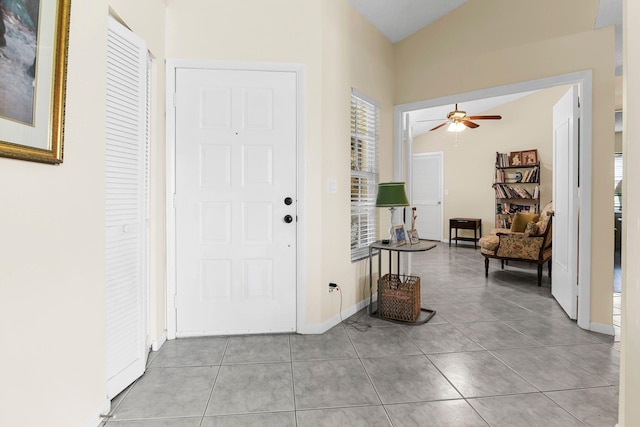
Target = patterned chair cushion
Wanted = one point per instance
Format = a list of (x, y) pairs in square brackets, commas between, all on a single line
[(519, 246), (532, 229), (489, 244)]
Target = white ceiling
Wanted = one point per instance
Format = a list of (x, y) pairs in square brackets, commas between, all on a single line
[(398, 19)]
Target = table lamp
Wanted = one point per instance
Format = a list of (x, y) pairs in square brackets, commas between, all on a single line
[(391, 195)]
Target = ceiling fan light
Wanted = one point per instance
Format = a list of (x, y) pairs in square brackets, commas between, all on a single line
[(456, 127)]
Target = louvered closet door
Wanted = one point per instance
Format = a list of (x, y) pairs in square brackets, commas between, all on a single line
[(126, 207)]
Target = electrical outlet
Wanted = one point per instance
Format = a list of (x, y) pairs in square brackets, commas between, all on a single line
[(333, 287)]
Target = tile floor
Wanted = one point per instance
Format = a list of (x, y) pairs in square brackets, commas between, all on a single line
[(499, 352)]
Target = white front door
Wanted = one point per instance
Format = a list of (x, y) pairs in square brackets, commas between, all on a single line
[(426, 194), (235, 201), (564, 281)]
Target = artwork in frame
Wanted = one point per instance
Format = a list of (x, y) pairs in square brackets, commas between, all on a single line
[(33, 63), (515, 158), (413, 236), (399, 235), (530, 157)]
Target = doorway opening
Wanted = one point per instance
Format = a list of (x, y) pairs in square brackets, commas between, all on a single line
[(403, 150)]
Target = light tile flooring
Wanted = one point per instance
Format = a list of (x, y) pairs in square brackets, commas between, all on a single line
[(499, 352)]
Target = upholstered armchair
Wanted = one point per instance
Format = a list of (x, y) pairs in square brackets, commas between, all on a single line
[(533, 245)]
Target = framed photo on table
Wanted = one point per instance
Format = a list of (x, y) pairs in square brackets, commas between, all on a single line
[(32, 87), (399, 235), (413, 237)]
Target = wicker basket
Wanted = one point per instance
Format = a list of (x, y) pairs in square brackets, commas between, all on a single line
[(399, 297)]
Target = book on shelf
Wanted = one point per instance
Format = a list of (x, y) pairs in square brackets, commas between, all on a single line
[(502, 160)]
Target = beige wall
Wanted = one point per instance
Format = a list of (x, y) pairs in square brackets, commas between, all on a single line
[(630, 334), (335, 44), (492, 59), (469, 168), (52, 295)]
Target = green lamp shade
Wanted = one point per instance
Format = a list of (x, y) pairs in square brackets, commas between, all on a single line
[(391, 194)]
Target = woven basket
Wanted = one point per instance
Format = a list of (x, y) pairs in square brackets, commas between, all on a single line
[(399, 297)]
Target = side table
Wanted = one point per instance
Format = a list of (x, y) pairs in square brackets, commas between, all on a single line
[(422, 246), (474, 224)]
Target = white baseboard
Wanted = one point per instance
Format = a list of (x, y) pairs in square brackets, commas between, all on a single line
[(156, 344), (96, 420), (602, 328), (320, 328)]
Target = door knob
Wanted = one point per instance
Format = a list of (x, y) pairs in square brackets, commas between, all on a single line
[(288, 219), (288, 201)]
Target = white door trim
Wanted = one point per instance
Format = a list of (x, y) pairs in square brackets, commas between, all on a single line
[(299, 69), (582, 78)]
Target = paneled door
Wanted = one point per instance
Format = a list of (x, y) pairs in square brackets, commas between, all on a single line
[(565, 202), (426, 194), (235, 201)]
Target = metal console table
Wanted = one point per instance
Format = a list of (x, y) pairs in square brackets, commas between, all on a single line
[(422, 246)]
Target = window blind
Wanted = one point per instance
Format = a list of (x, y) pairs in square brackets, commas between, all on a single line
[(617, 178), (364, 174)]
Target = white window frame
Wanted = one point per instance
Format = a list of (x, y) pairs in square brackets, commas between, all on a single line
[(365, 119)]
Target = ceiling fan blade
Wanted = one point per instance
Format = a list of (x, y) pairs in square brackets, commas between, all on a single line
[(470, 124), (439, 126), (484, 117)]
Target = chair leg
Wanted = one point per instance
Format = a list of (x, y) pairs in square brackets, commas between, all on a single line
[(549, 267), (539, 274), (486, 267), (502, 264)]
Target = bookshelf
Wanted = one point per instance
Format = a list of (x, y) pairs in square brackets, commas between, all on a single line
[(517, 186)]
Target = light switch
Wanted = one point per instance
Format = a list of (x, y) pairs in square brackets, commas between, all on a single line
[(446, 192)]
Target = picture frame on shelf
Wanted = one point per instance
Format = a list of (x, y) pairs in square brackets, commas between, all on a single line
[(32, 115), (530, 157), (413, 236), (399, 235), (515, 158)]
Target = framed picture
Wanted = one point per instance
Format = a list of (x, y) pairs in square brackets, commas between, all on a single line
[(515, 158), (399, 235), (530, 157), (413, 237), (33, 40)]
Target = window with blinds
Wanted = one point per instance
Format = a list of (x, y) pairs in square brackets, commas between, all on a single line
[(617, 182), (364, 174)]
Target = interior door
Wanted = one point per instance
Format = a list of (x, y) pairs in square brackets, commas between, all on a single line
[(426, 194), (126, 204), (565, 202), (235, 201)]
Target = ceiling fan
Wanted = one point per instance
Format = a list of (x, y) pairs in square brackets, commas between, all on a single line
[(458, 119)]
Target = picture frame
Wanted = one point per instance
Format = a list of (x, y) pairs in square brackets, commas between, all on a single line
[(413, 236), (530, 157), (399, 235), (515, 158), (32, 113)]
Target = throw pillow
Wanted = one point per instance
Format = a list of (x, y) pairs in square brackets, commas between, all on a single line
[(521, 219), (532, 229)]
